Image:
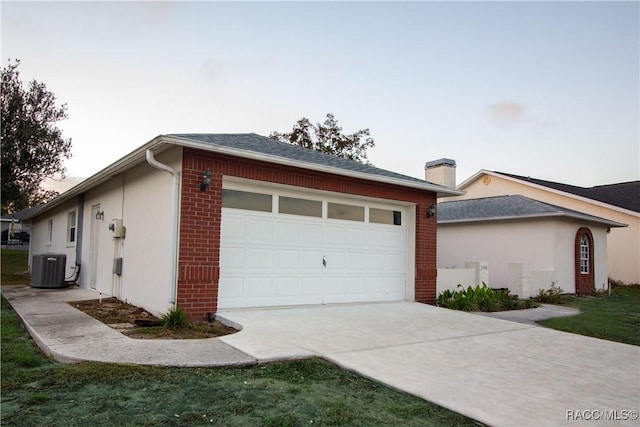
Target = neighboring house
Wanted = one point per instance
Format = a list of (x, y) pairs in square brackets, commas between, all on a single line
[(527, 244), (616, 202), (240, 220), (14, 231)]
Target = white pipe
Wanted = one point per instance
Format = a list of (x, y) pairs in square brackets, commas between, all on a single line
[(176, 212)]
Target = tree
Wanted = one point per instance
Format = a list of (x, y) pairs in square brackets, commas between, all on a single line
[(32, 146), (328, 138)]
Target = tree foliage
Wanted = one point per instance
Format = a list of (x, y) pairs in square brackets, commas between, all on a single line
[(32, 146), (328, 138)]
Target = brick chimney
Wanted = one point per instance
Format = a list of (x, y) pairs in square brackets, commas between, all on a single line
[(442, 172)]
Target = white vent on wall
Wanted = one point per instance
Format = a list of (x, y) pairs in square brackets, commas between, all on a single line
[(47, 270)]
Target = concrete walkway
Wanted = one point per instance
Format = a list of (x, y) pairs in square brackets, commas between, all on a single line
[(500, 372), (69, 335), (532, 315)]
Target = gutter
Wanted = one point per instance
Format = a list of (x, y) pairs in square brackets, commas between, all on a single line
[(175, 218)]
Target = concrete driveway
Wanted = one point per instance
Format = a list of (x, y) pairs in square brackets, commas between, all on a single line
[(499, 372)]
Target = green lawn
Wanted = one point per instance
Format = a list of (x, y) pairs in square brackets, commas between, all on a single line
[(14, 266), (39, 391), (36, 391), (614, 318)]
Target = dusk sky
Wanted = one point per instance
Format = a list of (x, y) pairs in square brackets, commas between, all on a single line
[(543, 89)]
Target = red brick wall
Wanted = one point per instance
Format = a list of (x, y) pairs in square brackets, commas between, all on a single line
[(585, 283), (199, 255)]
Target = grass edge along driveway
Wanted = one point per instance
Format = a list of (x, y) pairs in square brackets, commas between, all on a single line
[(613, 318), (39, 391)]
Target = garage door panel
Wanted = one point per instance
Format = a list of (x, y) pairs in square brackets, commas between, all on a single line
[(287, 232), (270, 259), (386, 288), (259, 230), (357, 260), (386, 262), (335, 261), (311, 234), (386, 238), (311, 260), (356, 237), (258, 287), (234, 228), (312, 286), (338, 286), (233, 291), (232, 257), (259, 259), (287, 287), (334, 236), (287, 259)]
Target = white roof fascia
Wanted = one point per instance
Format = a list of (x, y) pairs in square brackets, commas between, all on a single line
[(603, 221), (549, 189), (105, 174), (473, 177), (139, 156), (440, 190)]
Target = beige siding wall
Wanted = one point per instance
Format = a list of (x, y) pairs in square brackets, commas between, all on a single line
[(623, 257)]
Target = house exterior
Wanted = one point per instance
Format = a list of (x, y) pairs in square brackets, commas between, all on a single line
[(213, 221), (616, 202), (525, 244), (14, 231)]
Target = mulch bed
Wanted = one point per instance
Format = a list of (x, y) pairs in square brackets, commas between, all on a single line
[(136, 322)]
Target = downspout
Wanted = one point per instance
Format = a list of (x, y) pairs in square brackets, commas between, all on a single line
[(174, 232)]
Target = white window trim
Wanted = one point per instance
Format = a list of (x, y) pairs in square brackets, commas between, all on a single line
[(584, 255), (71, 226)]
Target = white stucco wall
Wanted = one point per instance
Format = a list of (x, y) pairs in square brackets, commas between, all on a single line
[(546, 246), (147, 215), (142, 198), (623, 243), (59, 244)]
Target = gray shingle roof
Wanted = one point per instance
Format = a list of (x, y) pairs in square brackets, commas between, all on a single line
[(20, 215), (508, 207), (263, 145), (624, 195)]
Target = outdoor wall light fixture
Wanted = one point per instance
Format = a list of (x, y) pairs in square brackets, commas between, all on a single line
[(431, 211), (100, 215), (206, 180)]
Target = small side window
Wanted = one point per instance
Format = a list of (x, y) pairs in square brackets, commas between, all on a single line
[(50, 230), (71, 227), (584, 255)]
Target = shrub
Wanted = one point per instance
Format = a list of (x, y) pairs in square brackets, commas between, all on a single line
[(176, 318), (553, 295), (480, 298), (508, 301)]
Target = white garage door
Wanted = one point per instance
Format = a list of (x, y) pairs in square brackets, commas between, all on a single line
[(278, 250)]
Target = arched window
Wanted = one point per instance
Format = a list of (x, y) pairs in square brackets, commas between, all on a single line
[(584, 254)]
